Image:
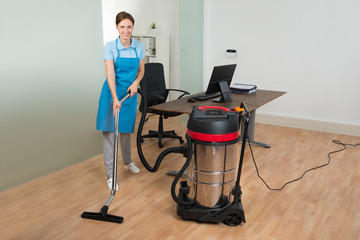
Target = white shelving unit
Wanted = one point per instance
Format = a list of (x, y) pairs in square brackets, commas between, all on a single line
[(157, 49)]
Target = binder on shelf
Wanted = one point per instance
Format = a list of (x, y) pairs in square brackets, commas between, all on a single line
[(242, 88), (149, 45)]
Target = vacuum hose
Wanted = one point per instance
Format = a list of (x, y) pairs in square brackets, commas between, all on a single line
[(186, 150), (181, 172), (138, 140)]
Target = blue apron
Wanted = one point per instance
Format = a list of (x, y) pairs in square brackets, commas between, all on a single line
[(126, 70)]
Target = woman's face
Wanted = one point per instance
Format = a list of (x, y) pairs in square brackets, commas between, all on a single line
[(125, 28)]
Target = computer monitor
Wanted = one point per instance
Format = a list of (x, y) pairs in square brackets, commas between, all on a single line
[(220, 81)]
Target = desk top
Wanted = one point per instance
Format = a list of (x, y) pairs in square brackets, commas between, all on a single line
[(252, 101)]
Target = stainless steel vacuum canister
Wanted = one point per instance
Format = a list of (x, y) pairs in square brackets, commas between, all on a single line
[(212, 171)]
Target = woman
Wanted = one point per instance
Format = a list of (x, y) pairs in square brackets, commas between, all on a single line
[(124, 63)]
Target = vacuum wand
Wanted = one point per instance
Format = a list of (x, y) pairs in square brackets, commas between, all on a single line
[(116, 140), (103, 215)]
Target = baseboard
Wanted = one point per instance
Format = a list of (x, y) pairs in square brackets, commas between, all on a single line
[(322, 126)]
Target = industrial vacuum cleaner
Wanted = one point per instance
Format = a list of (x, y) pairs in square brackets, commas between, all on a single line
[(211, 192)]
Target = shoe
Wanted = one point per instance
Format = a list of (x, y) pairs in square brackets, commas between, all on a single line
[(109, 183), (132, 168)]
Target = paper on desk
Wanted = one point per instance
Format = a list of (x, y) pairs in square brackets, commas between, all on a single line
[(243, 86)]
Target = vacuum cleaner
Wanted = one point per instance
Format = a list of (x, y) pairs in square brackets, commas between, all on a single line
[(103, 215), (211, 192)]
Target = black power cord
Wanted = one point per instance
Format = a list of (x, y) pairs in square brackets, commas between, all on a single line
[(294, 180)]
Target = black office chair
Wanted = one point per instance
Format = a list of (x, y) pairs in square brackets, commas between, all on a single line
[(153, 85)]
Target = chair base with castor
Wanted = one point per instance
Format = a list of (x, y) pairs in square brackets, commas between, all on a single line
[(160, 134)]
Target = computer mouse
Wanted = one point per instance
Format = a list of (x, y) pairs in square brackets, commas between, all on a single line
[(191, 100)]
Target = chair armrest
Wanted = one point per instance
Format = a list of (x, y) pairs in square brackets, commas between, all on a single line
[(178, 90)]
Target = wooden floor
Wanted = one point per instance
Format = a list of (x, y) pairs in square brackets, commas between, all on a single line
[(323, 205)]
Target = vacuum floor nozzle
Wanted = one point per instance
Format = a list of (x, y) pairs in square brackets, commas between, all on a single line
[(102, 216)]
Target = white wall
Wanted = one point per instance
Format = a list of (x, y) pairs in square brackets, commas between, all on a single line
[(164, 12), (309, 48)]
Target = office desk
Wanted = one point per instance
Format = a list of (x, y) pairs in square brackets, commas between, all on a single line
[(252, 101)]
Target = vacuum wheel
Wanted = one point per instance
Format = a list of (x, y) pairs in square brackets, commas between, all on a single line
[(233, 219)]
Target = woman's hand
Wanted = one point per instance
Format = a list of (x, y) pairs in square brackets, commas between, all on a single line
[(133, 88), (116, 105)]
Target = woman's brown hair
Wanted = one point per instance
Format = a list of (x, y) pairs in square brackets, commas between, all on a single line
[(124, 15)]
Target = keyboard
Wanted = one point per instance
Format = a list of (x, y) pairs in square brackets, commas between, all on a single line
[(207, 96)]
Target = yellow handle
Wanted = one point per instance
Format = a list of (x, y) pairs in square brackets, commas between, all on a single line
[(239, 109)]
